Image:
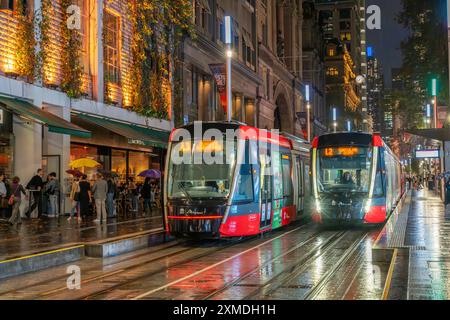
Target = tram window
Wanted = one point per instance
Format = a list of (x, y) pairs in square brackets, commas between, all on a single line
[(244, 186), (287, 181)]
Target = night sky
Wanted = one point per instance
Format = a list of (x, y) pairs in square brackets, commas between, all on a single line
[(386, 42)]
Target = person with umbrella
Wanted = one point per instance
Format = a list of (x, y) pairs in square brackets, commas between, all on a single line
[(74, 195)]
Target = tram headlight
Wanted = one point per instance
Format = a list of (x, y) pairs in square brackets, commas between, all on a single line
[(318, 208), (368, 205)]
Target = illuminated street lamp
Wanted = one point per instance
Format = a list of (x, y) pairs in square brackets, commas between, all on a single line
[(308, 111), (428, 115), (434, 94), (229, 54), (335, 119)]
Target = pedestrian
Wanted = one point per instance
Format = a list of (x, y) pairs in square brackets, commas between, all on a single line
[(133, 194), (100, 190), (46, 209), (52, 191), (15, 200), (3, 196), (112, 190), (146, 194), (447, 192), (34, 186), (75, 200), (85, 196)]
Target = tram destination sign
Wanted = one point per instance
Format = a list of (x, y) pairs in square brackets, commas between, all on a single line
[(423, 154)]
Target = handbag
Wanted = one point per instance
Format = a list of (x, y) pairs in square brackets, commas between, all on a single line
[(4, 203), (12, 198)]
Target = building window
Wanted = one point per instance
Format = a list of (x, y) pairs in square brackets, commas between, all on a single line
[(346, 36), (111, 47), (333, 72), (345, 25), (331, 52), (201, 14), (345, 14), (247, 48)]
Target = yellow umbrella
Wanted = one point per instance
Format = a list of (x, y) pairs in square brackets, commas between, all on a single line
[(84, 162)]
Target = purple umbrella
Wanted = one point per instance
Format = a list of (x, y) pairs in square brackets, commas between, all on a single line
[(151, 173)]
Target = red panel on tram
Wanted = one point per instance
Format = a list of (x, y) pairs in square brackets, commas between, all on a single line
[(243, 225), (376, 214)]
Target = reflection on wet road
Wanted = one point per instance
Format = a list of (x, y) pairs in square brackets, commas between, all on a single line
[(300, 262)]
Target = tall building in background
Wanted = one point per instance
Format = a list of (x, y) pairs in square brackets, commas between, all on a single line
[(375, 89), (343, 24)]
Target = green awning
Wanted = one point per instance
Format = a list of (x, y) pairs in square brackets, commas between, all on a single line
[(54, 123), (134, 133)]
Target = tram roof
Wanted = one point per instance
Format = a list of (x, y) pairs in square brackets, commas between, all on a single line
[(249, 132)]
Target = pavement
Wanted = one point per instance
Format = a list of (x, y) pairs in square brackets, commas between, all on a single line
[(428, 239), (39, 235)]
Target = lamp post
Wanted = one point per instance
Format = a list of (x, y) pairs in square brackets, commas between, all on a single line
[(335, 119), (428, 115), (308, 111), (434, 94), (229, 54)]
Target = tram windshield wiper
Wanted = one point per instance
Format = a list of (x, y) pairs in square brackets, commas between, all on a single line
[(180, 185)]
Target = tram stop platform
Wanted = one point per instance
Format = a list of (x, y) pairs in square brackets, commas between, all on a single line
[(418, 239), (38, 244)]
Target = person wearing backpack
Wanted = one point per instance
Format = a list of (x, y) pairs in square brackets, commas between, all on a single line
[(15, 199), (52, 189)]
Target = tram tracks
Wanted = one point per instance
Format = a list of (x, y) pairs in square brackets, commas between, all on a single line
[(295, 269), (259, 267)]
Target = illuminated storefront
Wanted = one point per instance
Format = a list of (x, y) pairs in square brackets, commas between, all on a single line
[(116, 149), (6, 143)]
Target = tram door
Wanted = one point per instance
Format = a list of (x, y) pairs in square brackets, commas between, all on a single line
[(301, 184), (266, 193)]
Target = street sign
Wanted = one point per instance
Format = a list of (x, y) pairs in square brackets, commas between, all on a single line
[(432, 153)]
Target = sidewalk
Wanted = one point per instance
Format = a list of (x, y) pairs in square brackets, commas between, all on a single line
[(38, 235), (428, 239)]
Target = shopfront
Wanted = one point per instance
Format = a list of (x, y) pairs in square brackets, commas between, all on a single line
[(125, 162), (6, 143), (126, 150)]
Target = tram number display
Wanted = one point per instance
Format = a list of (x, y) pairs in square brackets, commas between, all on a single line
[(341, 151)]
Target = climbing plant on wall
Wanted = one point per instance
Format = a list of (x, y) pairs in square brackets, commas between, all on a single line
[(43, 25), (26, 64), (158, 28), (71, 68)]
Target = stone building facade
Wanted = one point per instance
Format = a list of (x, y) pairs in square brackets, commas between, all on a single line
[(267, 64)]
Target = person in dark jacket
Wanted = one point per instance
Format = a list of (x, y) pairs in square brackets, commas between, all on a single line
[(146, 193), (35, 187), (85, 196), (110, 196)]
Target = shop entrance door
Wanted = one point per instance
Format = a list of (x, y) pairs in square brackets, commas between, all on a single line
[(52, 163)]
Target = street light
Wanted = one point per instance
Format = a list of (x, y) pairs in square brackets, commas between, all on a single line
[(349, 126), (428, 115), (229, 55), (335, 119), (308, 111), (434, 94)]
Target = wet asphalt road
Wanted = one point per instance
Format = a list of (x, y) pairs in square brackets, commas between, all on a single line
[(299, 262)]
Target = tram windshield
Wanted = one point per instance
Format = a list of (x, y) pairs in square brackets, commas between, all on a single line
[(205, 172), (344, 169)]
